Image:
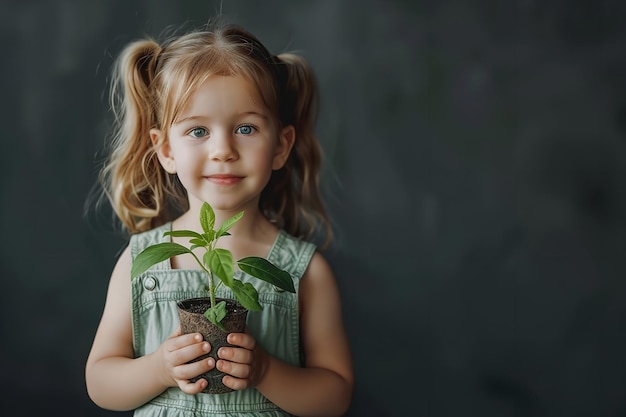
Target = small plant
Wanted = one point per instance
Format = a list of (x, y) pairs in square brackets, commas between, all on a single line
[(217, 263)]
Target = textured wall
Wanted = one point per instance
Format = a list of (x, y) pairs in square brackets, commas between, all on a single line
[(475, 155)]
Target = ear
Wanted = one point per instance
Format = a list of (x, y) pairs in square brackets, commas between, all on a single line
[(164, 151), (286, 139)]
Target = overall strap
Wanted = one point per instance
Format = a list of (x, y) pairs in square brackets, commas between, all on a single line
[(292, 254), (140, 241)]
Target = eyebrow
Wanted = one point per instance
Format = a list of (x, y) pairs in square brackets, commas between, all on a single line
[(198, 118), (188, 119)]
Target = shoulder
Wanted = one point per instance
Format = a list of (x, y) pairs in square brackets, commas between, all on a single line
[(318, 285), (121, 271), (319, 271)]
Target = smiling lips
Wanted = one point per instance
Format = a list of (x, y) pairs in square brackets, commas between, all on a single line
[(224, 179)]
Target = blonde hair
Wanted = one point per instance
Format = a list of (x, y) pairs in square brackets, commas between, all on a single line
[(151, 85)]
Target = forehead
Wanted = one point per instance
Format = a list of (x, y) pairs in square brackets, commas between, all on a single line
[(223, 96)]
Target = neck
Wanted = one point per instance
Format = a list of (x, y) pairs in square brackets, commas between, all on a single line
[(251, 226)]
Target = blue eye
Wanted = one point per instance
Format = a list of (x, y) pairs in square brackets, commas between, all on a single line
[(198, 132), (245, 130)]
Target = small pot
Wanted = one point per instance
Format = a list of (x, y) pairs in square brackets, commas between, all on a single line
[(192, 320)]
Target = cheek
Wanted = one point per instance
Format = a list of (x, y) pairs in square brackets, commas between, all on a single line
[(188, 161), (264, 158)]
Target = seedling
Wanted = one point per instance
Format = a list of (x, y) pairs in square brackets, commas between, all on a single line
[(217, 263)]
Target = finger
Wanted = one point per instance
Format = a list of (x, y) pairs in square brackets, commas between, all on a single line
[(181, 341), (235, 383), (236, 354), (188, 353), (192, 388), (237, 370), (244, 340), (193, 369)]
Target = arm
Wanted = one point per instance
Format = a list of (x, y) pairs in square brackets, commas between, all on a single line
[(115, 379), (324, 386)]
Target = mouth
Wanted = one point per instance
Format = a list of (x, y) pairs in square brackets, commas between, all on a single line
[(224, 179)]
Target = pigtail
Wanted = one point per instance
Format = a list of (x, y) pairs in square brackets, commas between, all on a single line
[(302, 209), (133, 179)]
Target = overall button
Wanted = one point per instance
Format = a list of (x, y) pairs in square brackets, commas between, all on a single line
[(149, 283)]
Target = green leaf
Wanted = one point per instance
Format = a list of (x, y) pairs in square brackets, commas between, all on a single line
[(209, 236), (247, 295), (228, 223), (216, 314), (220, 262), (183, 233), (154, 254), (198, 242), (266, 271), (207, 217)]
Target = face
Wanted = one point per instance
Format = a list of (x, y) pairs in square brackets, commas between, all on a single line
[(224, 145)]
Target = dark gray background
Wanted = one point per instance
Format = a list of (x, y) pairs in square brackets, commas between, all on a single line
[(474, 169)]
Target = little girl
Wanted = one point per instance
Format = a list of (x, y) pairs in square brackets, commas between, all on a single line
[(212, 116)]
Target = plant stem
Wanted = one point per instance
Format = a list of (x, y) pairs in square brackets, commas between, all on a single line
[(211, 289)]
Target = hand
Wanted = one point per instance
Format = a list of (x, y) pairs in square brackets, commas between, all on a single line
[(174, 355), (245, 364)]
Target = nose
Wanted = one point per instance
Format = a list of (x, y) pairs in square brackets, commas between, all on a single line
[(221, 146)]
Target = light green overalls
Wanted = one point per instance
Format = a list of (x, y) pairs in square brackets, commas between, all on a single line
[(276, 328)]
